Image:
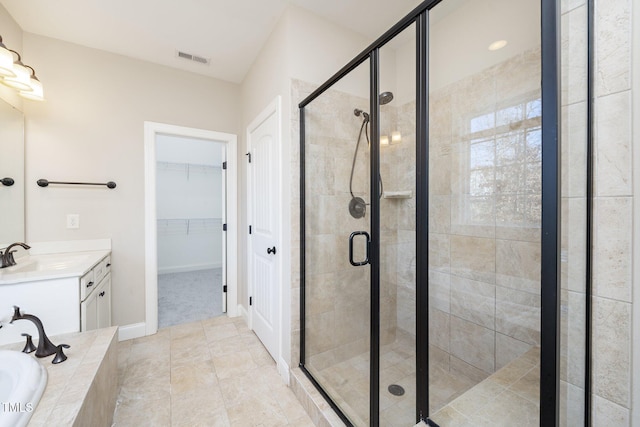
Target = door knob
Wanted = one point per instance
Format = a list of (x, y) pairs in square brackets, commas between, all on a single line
[(271, 250)]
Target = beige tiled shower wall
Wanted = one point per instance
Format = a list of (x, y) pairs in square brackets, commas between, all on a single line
[(613, 213), (573, 211), (484, 219), (398, 217), (338, 294)]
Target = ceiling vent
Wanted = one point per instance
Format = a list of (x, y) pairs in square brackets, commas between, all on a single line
[(194, 58)]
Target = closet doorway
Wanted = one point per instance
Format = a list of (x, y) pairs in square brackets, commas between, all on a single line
[(190, 209), (190, 212)]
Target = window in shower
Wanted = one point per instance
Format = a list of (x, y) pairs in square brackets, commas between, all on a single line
[(504, 164)]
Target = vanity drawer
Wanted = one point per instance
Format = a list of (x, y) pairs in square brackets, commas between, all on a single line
[(107, 264), (87, 284), (99, 271)]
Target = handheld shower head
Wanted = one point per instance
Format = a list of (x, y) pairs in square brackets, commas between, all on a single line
[(357, 112)]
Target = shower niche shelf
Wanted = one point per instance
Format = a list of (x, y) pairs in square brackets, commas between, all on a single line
[(398, 194)]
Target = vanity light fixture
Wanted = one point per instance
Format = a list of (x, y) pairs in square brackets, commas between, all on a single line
[(21, 80), (37, 92), (6, 61), (19, 76), (396, 137), (497, 45)]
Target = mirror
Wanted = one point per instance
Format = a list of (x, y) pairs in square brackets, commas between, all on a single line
[(11, 174)]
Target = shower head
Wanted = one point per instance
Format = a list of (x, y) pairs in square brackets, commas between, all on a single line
[(386, 97)]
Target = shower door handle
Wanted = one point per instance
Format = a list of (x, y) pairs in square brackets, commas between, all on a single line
[(351, 238)]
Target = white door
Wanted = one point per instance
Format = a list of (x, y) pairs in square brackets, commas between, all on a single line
[(264, 140)]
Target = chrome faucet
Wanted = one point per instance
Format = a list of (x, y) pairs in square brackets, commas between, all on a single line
[(6, 257), (45, 346)]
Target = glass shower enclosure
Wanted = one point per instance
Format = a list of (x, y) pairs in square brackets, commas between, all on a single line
[(430, 224)]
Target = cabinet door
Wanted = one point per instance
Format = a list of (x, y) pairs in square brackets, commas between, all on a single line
[(104, 303), (89, 313)]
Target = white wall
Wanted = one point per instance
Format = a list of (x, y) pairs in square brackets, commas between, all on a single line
[(189, 204), (306, 47), (91, 128)]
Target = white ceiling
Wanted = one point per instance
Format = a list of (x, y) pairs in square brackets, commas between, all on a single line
[(229, 32)]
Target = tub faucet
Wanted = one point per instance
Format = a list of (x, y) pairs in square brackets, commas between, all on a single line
[(6, 257), (45, 346)]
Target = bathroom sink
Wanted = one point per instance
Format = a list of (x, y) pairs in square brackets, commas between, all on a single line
[(53, 262), (22, 382)]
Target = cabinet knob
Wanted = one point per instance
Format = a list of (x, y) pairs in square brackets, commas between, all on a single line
[(90, 284), (101, 294)]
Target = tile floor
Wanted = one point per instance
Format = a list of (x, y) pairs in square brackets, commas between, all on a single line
[(213, 372)]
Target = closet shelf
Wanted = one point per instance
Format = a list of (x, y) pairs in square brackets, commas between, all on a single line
[(187, 168), (176, 165), (188, 225), (190, 219)]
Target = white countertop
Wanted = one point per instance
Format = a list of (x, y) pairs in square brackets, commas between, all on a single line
[(50, 266)]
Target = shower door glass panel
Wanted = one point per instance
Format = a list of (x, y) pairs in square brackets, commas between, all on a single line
[(337, 197), (484, 212), (398, 230), (574, 213)]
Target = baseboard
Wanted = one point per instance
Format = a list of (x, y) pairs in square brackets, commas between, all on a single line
[(244, 314), (283, 369), (129, 332), (188, 268)]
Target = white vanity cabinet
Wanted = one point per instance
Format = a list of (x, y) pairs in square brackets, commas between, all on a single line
[(95, 308), (69, 292)]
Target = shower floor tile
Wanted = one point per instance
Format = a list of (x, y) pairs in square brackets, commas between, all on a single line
[(348, 384), (506, 398)]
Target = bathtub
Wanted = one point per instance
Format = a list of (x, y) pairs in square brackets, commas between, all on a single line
[(22, 382)]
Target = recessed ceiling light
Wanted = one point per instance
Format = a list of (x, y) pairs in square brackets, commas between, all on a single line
[(497, 45)]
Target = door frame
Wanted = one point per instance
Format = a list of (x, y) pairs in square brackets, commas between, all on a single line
[(274, 107), (151, 129)]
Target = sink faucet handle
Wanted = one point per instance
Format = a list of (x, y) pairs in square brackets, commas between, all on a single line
[(16, 313), (9, 257), (60, 356), (28, 347)]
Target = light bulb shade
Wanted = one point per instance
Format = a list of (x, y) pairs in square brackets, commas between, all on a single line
[(6, 63), (37, 91), (21, 80)]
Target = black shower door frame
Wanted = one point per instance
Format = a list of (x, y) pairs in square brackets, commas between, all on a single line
[(550, 232)]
